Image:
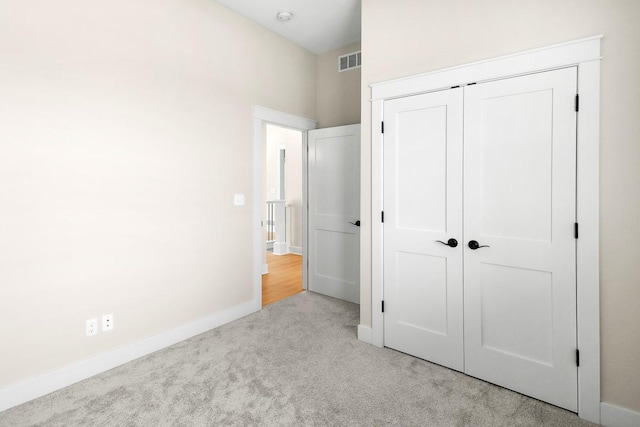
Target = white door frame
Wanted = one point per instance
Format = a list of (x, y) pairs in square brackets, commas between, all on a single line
[(585, 55), (262, 116)]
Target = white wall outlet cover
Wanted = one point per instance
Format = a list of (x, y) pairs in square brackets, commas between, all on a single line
[(107, 322), (92, 327), (238, 199)]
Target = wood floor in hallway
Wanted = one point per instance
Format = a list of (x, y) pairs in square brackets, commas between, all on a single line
[(284, 278)]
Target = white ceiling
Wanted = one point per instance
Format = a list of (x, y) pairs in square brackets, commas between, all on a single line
[(317, 25)]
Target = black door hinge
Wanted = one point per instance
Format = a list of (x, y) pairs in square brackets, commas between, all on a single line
[(383, 306), (575, 230), (382, 216), (577, 102), (382, 127), (577, 357)]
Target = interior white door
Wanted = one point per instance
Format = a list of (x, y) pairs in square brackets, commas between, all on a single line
[(519, 202), (423, 300), (334, 212)]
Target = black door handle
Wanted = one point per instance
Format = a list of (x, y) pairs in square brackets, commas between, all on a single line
[(475, 245), (451, 242), (357, 223)]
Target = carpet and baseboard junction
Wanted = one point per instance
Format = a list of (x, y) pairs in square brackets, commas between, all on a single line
[(297, 362)]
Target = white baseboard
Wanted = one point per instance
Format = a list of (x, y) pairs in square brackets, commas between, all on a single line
[(295, 250), (280, 248), (265, 269), (25, 391), (365, 334), (615, 416)]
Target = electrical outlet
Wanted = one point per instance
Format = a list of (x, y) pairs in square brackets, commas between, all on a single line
[(92, 327), (107, 322)]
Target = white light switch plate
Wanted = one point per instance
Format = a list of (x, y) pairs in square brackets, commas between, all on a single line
[(238, 199)]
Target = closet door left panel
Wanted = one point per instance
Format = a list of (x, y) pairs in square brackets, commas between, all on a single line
[(422, 223)]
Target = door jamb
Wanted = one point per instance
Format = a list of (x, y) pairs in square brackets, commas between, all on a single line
[(585, 55), (262, 116)]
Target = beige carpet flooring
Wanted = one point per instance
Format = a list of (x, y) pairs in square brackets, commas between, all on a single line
[(295, 363)]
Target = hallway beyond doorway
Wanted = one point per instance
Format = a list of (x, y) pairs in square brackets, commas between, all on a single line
[(284, 278)]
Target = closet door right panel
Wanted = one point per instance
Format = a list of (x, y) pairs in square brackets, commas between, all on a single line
[(519, 206)]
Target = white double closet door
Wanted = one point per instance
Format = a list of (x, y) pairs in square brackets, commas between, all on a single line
[(491, 163)]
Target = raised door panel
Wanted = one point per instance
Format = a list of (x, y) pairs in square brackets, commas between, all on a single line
[(423, 204), (520, 289), (334, 207)]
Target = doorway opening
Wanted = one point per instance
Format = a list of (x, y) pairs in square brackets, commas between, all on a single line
[(282, 217), (261, 118)]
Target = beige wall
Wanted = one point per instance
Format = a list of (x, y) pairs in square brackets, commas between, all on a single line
[(291, 140), (413, 36), (125, 130), (338, 93)]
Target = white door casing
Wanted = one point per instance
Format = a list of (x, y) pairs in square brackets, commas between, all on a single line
[(519, 201), (423, 205), (334, 210), (583, 54), (519, 198)]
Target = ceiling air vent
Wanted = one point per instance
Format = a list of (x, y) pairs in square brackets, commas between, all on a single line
[(350, 61)]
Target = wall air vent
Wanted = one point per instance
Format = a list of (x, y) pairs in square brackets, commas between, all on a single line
[(350, 61)]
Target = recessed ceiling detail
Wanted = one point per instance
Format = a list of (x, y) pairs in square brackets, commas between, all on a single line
[(317, 25)]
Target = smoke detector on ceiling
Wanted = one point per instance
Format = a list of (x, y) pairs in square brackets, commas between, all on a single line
[(284, 16)]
